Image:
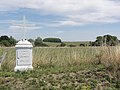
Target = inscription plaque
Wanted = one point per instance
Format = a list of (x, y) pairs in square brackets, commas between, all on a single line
[(23, 57)]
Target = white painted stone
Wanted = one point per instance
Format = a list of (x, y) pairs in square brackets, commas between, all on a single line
[(23, 56)]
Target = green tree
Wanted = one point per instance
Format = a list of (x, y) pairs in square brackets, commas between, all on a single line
[(38, 41), (31, 41), (99, 41), (12, 41), (111, 40), (5, 43), (108, 40), (4, 38)]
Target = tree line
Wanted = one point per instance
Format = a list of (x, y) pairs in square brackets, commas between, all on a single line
[(39, 42), (6, 41), (106, 40)]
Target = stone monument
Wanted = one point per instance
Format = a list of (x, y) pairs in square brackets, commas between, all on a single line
[(23, 52), (23, 56)]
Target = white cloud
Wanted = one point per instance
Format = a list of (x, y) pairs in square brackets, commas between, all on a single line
[(68, 23), (16, 28), (78, 12), (59, 32)]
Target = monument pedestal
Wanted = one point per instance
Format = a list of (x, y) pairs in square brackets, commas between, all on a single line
[(23, 56), (23, 68)]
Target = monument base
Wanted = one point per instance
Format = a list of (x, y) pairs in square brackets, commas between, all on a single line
[(23, 68)]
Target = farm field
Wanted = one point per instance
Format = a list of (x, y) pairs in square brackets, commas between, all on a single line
[(52, 44), (77, 43), (65, 68)]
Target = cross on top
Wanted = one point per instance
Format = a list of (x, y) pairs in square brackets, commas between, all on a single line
[(23, 25)]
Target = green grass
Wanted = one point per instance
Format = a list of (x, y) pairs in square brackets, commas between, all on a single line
[(80, 68)]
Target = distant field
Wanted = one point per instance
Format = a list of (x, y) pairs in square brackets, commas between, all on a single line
[(80, 68), (52, 44), (77, 43)]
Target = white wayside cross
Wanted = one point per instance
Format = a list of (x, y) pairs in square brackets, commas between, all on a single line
[(23, 52)]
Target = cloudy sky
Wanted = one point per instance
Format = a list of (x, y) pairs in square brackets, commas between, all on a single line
[(70, 20)]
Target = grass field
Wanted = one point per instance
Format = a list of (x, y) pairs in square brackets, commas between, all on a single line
[(80, 68)]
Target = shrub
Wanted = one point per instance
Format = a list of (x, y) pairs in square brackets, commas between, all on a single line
[(72, 45), (62, 44), (82, 45)]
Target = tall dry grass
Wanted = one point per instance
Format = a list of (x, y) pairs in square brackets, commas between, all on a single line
[(46, 57), (110, 57), (63, 56)]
